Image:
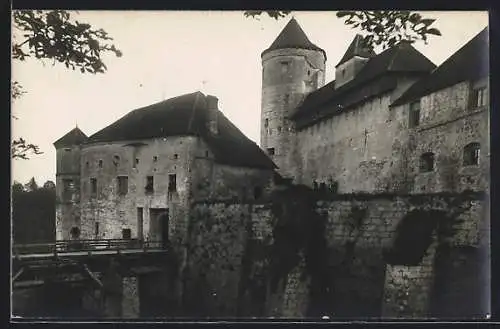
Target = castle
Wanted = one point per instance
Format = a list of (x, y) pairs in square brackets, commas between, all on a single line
[(391, 122)]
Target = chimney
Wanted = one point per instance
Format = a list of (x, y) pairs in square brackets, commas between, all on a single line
[(213, 114)]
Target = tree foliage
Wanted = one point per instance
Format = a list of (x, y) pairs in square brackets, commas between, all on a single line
[(33, 212), (380, 28), (54, 35)]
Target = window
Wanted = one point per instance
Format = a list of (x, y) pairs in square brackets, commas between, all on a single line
[(343, 73), (93, 186), (75, 232), (471, 154), (122, 185), (172, 183), (270, 151), (68, 188), (427, 162), (96, 229), (149, 184), (136, 161), (155, 158), (279, 129), (176, 156), (257, 192), (284, 66), (100, 163), (266, 123), (126, 233), (414, 119), (479, 97), (116, 160)]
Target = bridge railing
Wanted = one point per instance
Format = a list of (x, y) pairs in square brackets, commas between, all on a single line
[(61, 246)]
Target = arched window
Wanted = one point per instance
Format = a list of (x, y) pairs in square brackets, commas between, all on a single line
[(427, 162), (471, 154)]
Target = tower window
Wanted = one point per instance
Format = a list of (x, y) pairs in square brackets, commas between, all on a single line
[(100, 163), (68, 187), (414, 119), (155, 158), (270, 151), (93, 187), (149, 184), (471, 154), (478, 97), (284, 66), (172, 183), (266, 123), (427, 162), (176, 156), (122, 185)]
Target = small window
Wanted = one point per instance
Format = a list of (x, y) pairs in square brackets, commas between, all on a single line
[(308, 72), (284, 66), (96, 229), (471, 154), (479, 97), (116, 160), (68, 189), (136, 161), (343, 73), (75, 232), (176, 156), (93, 186), (172, 183), (257, 192), (122, 185), (266, 123), (427, 162), (100, 163), (414, 119), (155, 158), (149, 184), (127, 233), (270, 151)]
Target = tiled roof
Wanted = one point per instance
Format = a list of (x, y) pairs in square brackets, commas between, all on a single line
[(74, 137), (470, 62), (186, 115), (292, 36), (356, 49), (380, 70)]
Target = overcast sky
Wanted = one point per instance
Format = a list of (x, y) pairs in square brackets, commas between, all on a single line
[(166, 54)]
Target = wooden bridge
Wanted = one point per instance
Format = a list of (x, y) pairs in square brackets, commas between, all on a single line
[(67, 260)]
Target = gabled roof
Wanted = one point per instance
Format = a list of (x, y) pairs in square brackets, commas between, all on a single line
[(186, 115), (470, 62), (356, 48), (292, 36), (72, 138), (402, 58)]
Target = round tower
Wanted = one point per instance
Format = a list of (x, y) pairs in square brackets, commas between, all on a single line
[(292, 67), (68, 151)]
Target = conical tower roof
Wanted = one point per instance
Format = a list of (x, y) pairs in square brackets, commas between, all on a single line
[(74, 137), (292, 36), (356, 48)]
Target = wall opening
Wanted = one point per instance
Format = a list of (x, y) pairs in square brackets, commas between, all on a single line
[(172, 183), (414, 119), (471, 154), (413, 236), (426, 162), (122, 185), (270, 151), (126, 233), (75, 232), (93, 187), (149, 184), (140, 223)]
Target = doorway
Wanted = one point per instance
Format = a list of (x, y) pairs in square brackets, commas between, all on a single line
[(158, 230)]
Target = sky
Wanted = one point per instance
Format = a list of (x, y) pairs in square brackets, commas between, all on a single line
[(170, 53)]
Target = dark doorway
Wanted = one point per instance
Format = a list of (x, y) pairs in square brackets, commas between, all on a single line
[(158, 230)]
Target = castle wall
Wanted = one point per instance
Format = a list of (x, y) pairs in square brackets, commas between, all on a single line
[(448, 123), (114, 212), (229, 243), (67, 195), (283, 87)]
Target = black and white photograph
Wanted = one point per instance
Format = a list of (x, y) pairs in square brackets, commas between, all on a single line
[(284, 165)]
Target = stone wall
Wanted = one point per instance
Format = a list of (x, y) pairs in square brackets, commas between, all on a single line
[(229, 242), (135, 160)]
